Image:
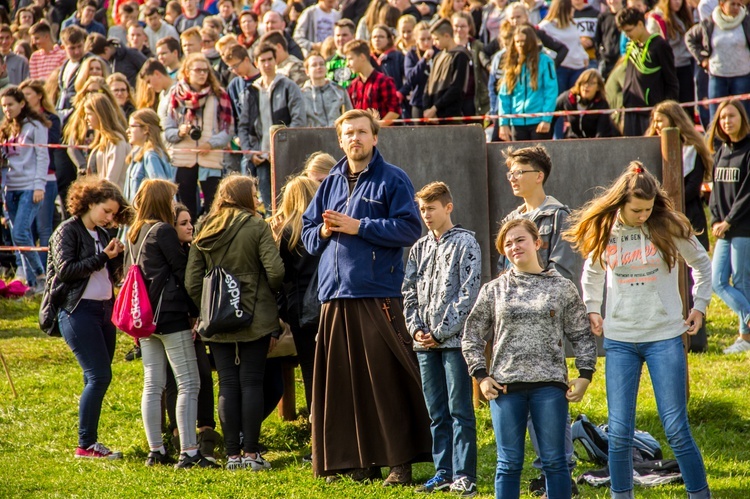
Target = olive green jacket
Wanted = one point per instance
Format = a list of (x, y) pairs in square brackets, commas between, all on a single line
[(243, 245)]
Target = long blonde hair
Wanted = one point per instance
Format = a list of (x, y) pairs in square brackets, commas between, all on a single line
[(85, 72), (688, 134), (121, 78), (76, 128), (591, 225), (110, 126), (561, 12), (153, 203), (295, 197), (514, 61), (151, 124)]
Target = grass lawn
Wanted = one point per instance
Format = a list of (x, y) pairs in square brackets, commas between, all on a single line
[(38, 429)]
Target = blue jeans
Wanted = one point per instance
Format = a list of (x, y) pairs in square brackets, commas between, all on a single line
[(446, 386), (732, 258), (668, 370), (45, 218), (90, 334), (723, 87), (549, 411), (22, 211)]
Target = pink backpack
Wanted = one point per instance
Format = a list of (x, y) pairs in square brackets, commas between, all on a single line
[(132, 312)]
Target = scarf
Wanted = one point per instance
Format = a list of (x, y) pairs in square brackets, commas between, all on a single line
[(192, 101), (725, 22)]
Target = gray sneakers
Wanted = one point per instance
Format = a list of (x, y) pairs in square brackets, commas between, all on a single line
[(738, 346)]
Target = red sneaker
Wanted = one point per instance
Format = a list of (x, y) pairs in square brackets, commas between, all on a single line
[(97, 451)]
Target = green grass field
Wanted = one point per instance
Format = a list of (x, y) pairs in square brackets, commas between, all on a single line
[(38, 429)]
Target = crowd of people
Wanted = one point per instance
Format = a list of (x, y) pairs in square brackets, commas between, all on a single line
[(174, 102)]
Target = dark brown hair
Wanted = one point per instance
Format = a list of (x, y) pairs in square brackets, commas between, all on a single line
[(94, 190)]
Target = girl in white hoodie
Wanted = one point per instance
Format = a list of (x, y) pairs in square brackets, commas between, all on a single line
[(633, 239)]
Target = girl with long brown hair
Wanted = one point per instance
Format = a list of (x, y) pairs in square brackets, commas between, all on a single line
[(123, 93), (729, 206), (154, 246), (633, 240), (25, 179), (199, 117), (233, 236), (529, 86), (37, 100)]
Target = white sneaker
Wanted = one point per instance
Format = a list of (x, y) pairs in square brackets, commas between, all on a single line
[(234, 463), (257, 464), (738, 346)]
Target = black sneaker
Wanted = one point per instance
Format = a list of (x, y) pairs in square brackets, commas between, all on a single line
[(307, 458), (197, 460), (155, 457), (574, 488), (134, 353), (538, 486)]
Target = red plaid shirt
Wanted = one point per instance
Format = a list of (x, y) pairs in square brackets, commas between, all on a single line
[(378, 92), (41, 64)]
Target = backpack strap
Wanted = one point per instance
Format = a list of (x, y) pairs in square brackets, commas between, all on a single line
[(140, 248)]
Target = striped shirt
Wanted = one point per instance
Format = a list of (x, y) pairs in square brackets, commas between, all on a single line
[(42, 64)]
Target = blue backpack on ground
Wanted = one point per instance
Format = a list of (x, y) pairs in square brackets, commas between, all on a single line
[(595, 441)]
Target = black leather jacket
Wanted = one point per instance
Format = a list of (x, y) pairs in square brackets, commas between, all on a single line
[(72, 260)]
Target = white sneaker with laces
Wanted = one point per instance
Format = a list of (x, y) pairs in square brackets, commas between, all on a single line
[(234, 463), (257, 464), (463, 487), (738, 346)]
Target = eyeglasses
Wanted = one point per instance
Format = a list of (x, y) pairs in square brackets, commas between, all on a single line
[(233, 67), (203, 71), (461, 26), (516, 174)]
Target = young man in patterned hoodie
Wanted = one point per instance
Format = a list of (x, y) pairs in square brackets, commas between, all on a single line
[(442, 280)]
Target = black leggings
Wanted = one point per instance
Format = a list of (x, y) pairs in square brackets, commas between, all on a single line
[(187, 184), (304, 342), (205, 395), (241, 391)]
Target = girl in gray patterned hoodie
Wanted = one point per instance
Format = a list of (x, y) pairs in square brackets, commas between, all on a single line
[(526, 313)]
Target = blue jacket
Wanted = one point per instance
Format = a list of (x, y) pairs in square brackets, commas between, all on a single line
[(526, 100), (370, 264)]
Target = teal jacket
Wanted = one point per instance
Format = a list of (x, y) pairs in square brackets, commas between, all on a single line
[(524, 99)]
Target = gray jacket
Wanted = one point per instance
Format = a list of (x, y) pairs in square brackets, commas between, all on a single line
[(441, 283), (551, 219), (17, 68), (325, 104), (525, 318)]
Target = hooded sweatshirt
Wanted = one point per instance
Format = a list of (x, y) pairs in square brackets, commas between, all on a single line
[(325, 104), (525, 317), (440, 286), (730, 200), (643, 299), (650, 75), (27, 166)]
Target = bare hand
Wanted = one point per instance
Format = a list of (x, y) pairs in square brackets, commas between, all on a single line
[(704, 64), (38, 196), (325, 231), (338, 222), (597, 323), (577, 389), (720, 229), (272, 344), (113, 249), (430, 112), (694, 321), (587, 42), (491, 388), (504, 133), (543, 127), (425, 339), (183, 131), (428, 54), (258, 159)]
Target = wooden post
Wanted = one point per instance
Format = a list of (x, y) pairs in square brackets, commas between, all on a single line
[(673, 183), (287, 406)]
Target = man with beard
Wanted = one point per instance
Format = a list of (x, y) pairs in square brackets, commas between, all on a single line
[(367, 408)]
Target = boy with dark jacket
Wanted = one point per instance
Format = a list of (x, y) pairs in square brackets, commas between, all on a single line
[(650, 75), (441, 284), (448, 83), (607, 38)]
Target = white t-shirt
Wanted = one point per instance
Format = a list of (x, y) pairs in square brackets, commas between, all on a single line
[(165, 31), (99, 286), (324, 22), (577, 57)]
